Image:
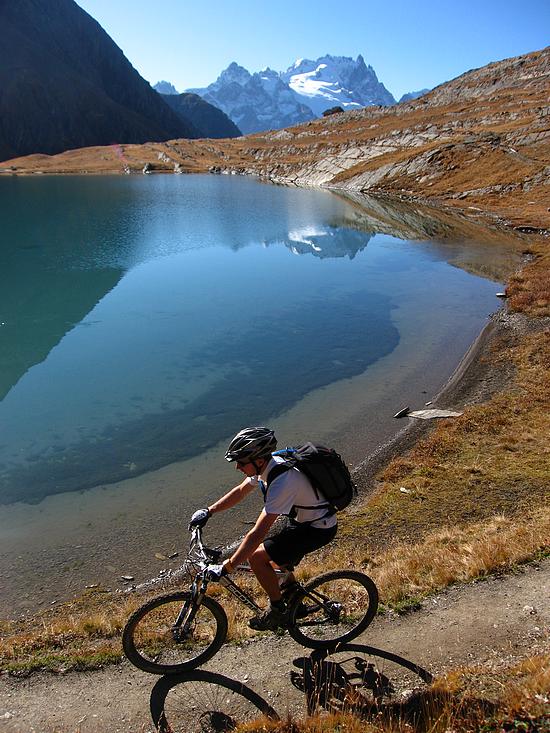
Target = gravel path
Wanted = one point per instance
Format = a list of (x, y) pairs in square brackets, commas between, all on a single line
[(500, 618)]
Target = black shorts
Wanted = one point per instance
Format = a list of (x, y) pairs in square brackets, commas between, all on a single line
[(288, 547)]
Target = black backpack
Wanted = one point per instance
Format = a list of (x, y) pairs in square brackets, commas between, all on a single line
[(325, 469)]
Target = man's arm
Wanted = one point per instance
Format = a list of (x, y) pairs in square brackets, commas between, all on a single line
[(232, 497), (253, 538)]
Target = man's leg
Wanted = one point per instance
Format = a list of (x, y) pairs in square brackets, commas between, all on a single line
[(275, 615), (261, 565)]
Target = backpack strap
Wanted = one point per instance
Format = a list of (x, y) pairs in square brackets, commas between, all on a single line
[(277, 471), (288, 453)]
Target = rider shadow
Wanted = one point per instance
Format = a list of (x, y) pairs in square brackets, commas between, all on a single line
[(373, 684)]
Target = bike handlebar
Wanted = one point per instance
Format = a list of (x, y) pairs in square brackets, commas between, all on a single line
[(209, 554)]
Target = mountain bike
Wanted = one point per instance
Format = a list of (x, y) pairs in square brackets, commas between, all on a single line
[(182, 630)]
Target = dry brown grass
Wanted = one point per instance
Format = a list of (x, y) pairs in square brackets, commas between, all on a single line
[(495, 459), (529, 290), (522, 685), (406, 571), (454, 555), (518, 691), (445, 556), (327, 724), (510, 698), (84, 633)]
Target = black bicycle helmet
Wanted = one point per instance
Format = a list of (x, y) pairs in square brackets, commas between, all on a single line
[(250, 444)]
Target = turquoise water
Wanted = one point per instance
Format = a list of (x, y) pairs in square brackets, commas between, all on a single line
[(145, 319)]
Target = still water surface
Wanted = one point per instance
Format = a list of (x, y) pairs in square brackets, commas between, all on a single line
[(146, 319)]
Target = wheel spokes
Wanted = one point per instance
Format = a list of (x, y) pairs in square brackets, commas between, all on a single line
[(157, 638)]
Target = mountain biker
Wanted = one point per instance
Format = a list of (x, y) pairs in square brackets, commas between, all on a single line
[(290, 493)]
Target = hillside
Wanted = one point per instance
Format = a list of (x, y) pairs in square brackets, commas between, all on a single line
[(65, 84), (479, 141)]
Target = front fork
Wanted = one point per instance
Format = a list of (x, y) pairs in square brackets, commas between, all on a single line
[(182, 626)]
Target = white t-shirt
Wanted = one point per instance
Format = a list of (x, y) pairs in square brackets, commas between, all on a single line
[(293, 489)]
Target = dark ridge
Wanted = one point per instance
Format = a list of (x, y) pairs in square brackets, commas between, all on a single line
[(207, 118), (65, 84)]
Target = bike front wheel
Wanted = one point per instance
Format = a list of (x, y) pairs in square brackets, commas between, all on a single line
[(334, 607), (204, 702), (153, 640)]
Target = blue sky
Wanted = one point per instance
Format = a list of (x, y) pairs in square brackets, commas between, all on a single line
[(410, 44)]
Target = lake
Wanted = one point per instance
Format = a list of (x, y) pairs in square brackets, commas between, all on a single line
[(144, 320)]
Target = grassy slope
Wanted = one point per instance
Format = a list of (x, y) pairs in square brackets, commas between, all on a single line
[(495, 459)]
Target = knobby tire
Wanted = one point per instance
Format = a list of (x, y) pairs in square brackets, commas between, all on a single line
[(145, 663), (310, 636)]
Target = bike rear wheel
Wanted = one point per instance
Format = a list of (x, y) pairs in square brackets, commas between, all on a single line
[(204, 702), (334, 607), (150, 638)]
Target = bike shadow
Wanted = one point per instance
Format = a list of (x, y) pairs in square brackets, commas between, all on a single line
[(376, 685), (369, 683), (200, 700)]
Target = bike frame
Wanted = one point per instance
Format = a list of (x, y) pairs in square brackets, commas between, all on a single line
[(202, 556)]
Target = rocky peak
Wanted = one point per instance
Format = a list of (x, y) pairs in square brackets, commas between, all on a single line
[(234, 74), (269, 100), (255, 102), (164, 87)]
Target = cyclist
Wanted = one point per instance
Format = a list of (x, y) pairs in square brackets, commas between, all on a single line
[(290, 493)]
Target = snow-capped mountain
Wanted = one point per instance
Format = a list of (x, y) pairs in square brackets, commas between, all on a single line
[(270, 100), (336, 81), (255, 102)]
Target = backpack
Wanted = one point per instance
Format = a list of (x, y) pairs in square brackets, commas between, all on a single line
[(325, 469)]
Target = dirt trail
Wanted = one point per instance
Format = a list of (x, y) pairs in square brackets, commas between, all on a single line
[(500, 618)]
